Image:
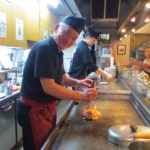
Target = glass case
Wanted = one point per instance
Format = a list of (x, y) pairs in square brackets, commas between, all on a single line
[(139, 82)]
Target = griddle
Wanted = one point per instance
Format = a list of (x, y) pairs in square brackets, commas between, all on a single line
[(79, 134), (116, 108)]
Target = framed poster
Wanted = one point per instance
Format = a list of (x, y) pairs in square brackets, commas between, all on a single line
[(121, 49), (3, 25), (45, 34), (19, 29)]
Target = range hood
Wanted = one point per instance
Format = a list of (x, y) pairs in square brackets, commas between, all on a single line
[(105, 16)]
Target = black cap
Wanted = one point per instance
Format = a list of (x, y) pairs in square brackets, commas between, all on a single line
[(91, 33), (76, 23)]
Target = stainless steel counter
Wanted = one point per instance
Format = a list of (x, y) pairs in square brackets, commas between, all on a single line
[(114, 102), (10, 96), (9, 131)]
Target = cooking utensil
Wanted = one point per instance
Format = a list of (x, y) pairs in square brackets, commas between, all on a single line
[(124, 134)]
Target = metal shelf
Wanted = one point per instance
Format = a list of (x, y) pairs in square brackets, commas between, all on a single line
[(7, 71)]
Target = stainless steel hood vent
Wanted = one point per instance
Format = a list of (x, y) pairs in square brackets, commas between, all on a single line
[(102, 9), (105, 16)]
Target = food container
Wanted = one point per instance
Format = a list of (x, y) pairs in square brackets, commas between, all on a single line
[(95, 77), (148, 94), (141, 88), (125, 74), (111, 70)]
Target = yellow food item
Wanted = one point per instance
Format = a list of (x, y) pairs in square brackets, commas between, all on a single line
[(16, 87), (141, 135), (91, 114)]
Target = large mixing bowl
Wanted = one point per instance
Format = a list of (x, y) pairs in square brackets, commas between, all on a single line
[(123, 134)]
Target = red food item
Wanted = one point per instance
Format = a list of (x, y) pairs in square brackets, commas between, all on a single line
[(140, 64)]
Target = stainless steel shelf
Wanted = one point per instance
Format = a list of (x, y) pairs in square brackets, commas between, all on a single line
[(7, 71)]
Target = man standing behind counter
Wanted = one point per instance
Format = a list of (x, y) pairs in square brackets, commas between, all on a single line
[(82, 58), (41, 85)]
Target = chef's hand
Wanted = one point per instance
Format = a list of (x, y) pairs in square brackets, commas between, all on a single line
[(109, 77), (89, 94), (85, 82)]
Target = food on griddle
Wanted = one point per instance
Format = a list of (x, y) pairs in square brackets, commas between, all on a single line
[(91, 114), (141, 135)]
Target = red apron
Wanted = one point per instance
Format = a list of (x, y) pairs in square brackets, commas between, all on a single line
[(42, 118)]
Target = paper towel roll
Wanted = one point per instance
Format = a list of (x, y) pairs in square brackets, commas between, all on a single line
[(111, 61)]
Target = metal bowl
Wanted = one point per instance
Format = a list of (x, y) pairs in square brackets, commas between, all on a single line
[(123, 134)]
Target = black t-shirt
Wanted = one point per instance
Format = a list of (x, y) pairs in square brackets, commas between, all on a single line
[(44, 60), (81, 61)]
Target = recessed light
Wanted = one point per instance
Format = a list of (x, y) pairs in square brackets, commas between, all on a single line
[(147, 19), (133, 30), (123, 30), (147, 5), (133, 19)]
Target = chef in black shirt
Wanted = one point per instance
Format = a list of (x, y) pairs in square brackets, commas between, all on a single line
[(93, 53), (83, 60), (43, 80)]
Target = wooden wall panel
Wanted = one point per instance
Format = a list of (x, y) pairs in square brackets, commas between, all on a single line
[(19, 13), (44, 26), (33, 22), (5, 8)]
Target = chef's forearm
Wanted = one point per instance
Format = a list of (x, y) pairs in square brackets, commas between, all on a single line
[(56, 90), (64, 93), (102, 72), (67, 80)]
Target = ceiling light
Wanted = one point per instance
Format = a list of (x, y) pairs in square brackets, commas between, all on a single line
[(133, 19), (120, 39), (53, 3), (147, 5), (123, 30), (125, 35), (133, 30), (147, 19)]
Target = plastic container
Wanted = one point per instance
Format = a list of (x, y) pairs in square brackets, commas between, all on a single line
[(141, 88), (111, 70)]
